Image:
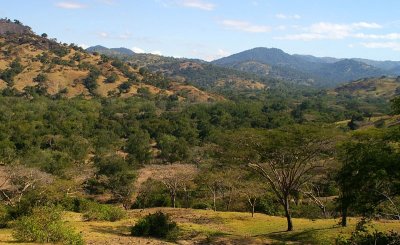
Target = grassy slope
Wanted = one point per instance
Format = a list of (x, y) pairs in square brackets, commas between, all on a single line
[(216, 227)]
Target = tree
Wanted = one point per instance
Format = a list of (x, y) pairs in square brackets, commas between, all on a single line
[(289, 161), (117, 176), (172, 149), (396, 105), (19, 180), (213, 182), (44, 35), (370, 174), (252, 190), (138, 146), (174, 177)]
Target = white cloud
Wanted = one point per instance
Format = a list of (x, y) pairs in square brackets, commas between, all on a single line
[(137, 50), (207, 56), (386, 45), (156, 52), (245, 26), (390, 36), (326, 30), (198, 4), (70, 5), (287, 17), (84, 46), (108, 2), (103, 34)]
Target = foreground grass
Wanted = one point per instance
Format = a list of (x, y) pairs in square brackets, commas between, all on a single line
[(202, 226)]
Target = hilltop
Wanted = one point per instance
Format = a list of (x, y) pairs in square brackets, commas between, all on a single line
[(30, 63)]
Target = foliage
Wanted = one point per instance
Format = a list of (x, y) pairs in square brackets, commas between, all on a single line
[(102, 212), (9, 74), (396, 105), (44, 225), (363, 236), (370, 174), (156, 225)]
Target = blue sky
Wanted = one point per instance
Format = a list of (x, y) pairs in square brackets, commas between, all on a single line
[(210, 29)]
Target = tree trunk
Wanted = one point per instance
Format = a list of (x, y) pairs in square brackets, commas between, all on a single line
[(344, 216), (288, 215), (214, 202), (173, 197), (187, 199), (252, 210)]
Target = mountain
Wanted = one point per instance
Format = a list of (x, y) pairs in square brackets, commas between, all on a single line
[(32, 64), (193, 71), (303, 69), (110, 51)]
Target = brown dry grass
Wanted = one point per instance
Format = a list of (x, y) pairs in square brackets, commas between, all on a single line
[(209, 227)]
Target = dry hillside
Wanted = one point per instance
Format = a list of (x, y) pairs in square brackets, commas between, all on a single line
[(35, 64)]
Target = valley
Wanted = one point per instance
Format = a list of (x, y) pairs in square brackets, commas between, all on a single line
[(109, 146)]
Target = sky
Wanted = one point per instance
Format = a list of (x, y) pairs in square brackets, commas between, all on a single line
[(211, 29)]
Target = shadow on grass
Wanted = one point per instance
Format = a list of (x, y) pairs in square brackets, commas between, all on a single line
[(308, 235), (112, 230)]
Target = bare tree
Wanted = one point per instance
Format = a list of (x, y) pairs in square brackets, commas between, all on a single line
[(313, 193), (212, 180), (18, 180), (287, 167), (252, 190), (174, 177)]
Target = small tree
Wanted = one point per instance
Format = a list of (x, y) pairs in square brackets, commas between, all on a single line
[(252, 191), (174, 177), (396, 105), (289, 161)]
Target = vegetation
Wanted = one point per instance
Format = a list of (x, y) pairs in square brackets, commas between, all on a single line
[(44, 225), (279, 149), (156, 225)]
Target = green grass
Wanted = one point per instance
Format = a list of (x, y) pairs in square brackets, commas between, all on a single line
[(216, 227)]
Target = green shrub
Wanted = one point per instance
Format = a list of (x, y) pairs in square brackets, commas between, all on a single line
[(102, 212), (363, 236), (4, 216), (156, 225), (201, 206), (44, 225)]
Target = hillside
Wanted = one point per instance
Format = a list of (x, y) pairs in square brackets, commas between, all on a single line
[(304, 69), (193, 71), (33, 64), (383, 88)]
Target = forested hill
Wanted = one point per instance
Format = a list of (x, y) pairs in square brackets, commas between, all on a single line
[(306, 69), (32, 64), (194, 71)]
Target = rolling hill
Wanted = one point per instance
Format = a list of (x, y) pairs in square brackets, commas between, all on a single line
[(33, 64), (306, 69), (193, 71), (383, 87)]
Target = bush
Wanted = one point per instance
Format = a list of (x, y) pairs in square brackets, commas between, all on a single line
[(201, 206), (44, 225), (363, 236), (156, 225), (102, 212), (4, 217), (112, 78)]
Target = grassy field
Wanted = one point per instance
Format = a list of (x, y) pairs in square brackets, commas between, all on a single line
[(208, 227)]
